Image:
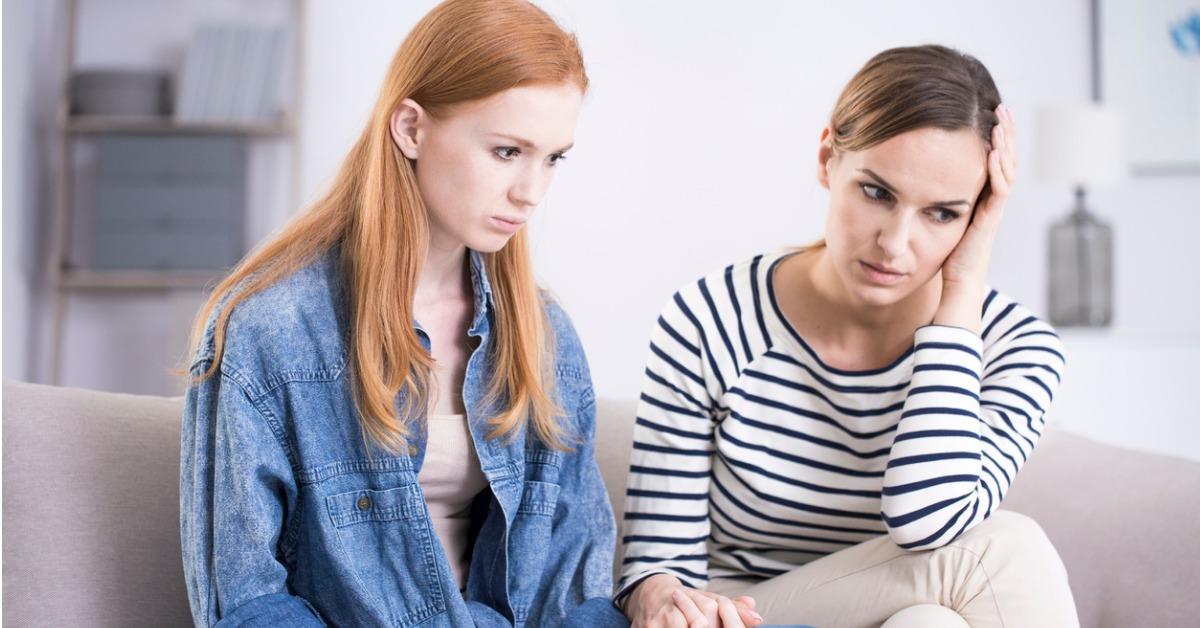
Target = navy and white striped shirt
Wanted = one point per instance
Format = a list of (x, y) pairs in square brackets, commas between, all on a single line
[(752, 457)]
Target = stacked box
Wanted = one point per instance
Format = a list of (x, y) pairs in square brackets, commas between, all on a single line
[(173, 202)]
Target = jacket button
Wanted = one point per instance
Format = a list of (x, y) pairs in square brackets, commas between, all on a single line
[(364, 503)]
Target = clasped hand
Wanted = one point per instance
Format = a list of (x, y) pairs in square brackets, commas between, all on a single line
[(662, 601)]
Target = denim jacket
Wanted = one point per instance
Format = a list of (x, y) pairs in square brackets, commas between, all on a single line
[(286, 520)]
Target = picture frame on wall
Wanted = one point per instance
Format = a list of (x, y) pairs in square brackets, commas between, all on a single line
[(1147, 65)]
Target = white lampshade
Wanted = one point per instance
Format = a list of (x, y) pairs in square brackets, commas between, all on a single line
[(1081, 145)]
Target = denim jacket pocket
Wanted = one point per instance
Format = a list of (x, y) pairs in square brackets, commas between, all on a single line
[(386, 536), (396, 504), (539, 498)]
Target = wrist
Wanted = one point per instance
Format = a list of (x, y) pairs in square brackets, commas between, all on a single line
[(964, 290), (648, 589), (961, 305)]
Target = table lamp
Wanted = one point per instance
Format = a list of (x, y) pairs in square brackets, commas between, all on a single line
[(1082, 146)]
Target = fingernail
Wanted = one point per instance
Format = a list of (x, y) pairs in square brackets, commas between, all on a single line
[(756, 615)]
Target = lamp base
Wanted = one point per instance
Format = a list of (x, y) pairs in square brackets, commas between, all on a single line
[(1081, 252)]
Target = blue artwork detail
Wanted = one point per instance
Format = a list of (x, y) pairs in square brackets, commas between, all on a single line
[(1186, 34)]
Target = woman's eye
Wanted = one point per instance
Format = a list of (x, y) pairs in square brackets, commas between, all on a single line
[(557, 157), (875, 193), (506, 152), (943, 215)]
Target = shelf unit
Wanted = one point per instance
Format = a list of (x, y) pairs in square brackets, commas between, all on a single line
[(65, 278), (94, 125)]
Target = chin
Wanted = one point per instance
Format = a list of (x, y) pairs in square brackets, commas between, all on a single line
[(870, 294), (488, 243), (876, 296)]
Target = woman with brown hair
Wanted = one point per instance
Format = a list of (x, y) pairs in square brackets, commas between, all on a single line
[(828, 432), (388, 422)]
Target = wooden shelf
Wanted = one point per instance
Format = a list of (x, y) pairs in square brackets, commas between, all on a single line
[(73, 131), (165, 125), (140, 279)]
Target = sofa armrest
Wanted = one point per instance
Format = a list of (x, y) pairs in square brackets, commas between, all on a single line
[(1125, 524)]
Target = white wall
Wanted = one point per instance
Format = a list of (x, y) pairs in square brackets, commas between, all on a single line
[(696, 148)]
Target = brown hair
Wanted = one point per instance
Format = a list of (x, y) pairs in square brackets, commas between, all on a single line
[(903, 89), (461, 51)]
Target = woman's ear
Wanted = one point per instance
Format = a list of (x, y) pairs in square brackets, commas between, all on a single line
[(824, 155), (407, 125)]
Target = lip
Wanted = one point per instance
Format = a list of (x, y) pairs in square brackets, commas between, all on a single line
[(507, 225), (881, 275)]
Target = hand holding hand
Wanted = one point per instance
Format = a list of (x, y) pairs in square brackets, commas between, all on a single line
[(661, 601)]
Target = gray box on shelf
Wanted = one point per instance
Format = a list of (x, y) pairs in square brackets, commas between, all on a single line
[(165, 202), (120, 93)]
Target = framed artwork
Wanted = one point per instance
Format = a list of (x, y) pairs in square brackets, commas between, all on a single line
[(1147, 65)]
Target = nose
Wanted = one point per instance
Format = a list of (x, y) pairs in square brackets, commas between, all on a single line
[(529, 187), (893, 235)]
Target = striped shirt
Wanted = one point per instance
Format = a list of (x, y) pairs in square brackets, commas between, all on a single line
[(751, 456)]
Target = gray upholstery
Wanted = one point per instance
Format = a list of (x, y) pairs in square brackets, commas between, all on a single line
[(91, 509), (91, 513)]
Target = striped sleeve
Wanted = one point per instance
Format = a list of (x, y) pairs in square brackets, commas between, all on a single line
[(971, 419), (666, 522)]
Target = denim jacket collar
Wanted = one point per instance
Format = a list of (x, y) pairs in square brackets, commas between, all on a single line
[(501, 460), (481, 287)]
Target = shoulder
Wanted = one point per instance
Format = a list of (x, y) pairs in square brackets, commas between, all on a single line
[(557, 317), (294, 327), (739, 275), (724, 291), (572, 378), (569, 357)]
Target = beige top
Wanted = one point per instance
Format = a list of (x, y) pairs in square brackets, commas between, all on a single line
[(451, 478)]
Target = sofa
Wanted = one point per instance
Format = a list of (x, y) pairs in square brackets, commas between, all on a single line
[(91, 513)]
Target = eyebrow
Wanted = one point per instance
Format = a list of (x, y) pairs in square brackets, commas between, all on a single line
[(887, 186), (524, 143)]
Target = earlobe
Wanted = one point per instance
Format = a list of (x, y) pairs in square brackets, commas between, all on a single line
[(406, 127)]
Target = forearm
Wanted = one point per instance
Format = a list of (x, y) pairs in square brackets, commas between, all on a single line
[(934, 466)]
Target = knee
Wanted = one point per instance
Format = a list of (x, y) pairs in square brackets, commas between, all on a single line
[(926, 616), (1014, 534), (1014, 527)]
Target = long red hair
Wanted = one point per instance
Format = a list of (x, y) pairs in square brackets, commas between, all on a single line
[(461, 51)]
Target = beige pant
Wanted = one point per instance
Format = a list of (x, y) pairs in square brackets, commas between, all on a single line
[(1003, 572)]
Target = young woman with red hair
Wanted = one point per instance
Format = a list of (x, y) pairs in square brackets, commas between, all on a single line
[(389, 423)]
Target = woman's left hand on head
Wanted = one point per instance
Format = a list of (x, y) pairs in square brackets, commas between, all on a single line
[(967, 264)]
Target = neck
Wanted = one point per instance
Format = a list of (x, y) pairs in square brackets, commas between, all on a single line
[(444, 273)]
